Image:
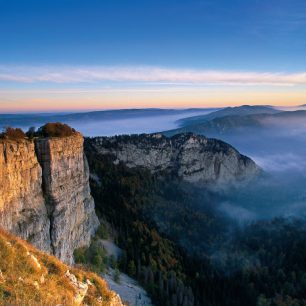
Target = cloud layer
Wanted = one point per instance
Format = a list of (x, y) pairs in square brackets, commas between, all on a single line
[(94, 74)]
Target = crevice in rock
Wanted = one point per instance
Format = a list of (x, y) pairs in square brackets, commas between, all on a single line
[(48, 202)]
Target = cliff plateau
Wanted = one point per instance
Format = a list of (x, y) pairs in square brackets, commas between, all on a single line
[(190, 157)]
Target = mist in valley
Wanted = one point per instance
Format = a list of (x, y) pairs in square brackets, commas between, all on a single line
[(107, 123), (280, 150)]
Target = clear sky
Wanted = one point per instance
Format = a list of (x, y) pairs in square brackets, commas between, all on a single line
[(97, 54)]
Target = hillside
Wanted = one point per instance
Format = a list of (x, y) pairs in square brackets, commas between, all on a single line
[(229, 111), (31, 277), (231, 124), (180, 240)]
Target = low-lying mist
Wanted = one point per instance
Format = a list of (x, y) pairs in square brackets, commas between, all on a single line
[(280, 150), (107, 123)]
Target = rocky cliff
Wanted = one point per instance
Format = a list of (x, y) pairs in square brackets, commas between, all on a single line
[(44, 193), (187, 156), (67, 194), (22, 205)]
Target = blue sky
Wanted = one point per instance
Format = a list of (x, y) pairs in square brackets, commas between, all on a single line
[(40, 38)]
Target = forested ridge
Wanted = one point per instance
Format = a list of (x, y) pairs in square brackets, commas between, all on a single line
[(184, 252)]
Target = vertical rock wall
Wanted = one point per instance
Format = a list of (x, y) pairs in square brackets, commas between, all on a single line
[(67, 193), (22, 206), (45, 195)]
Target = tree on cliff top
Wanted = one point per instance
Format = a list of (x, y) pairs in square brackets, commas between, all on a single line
[(12, 133), (56, 129)]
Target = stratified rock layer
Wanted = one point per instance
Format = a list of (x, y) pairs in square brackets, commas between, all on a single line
[(44, 193), (189, 157)]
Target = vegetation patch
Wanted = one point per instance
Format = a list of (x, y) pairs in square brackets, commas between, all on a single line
[(12, 134), (24, 282)]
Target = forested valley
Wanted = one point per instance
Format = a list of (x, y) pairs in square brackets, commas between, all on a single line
[(203, 258)]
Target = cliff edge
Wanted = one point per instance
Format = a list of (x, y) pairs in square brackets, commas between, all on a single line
[(45, 195), (189, 157)]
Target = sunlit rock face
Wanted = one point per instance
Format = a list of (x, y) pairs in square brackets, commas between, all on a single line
[(45, 195), (189, 157), (67, 193), (22, 205)]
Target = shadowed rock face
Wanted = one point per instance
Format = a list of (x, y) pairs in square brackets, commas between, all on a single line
[(44, 193), (189, 157)]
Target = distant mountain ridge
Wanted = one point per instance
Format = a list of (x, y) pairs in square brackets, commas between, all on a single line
[(20, 120), (229, 111), (216, 124)]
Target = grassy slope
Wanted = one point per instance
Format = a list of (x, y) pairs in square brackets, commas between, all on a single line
[(25, 281)]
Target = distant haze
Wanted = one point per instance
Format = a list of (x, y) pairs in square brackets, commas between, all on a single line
[(108, 123), (276, 141)]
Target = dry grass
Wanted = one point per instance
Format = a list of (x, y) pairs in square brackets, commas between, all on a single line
[(23, 282)]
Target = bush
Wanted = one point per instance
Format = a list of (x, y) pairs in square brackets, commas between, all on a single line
[(117, 276), (131, 268), (56, 129), (102, 232), (112, 261), (80, 255), (13, 133), (31, 132)]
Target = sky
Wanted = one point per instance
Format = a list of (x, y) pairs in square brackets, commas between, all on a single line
[(106, 54)]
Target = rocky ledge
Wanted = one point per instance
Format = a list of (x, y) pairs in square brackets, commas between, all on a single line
[(189, 157)]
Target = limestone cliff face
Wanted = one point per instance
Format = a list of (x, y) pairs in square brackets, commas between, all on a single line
[(67, 193), (187, 156), (22, 205), (44, 193)]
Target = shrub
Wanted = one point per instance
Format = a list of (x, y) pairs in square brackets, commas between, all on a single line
[(117, 276), (56, 129), (13, 133), (112, 261), (31, 132), (80, 255), (102, 232), (131, 268)]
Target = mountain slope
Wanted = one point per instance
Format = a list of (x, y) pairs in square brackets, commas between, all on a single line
[(229, 111), (31, 277), (235, 123)]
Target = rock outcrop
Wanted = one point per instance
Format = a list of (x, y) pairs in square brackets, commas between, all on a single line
[(22, 204), (67, 193), (44, 193), (189, 157)]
